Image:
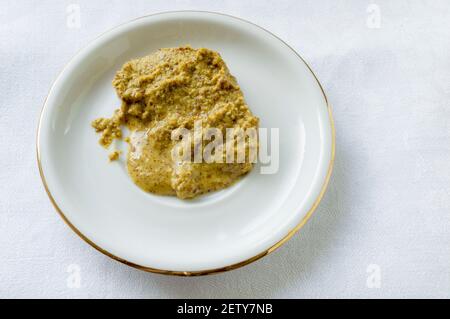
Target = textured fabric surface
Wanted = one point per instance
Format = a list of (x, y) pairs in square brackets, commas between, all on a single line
[(383, 228)]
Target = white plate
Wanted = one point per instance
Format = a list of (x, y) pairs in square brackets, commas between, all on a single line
[(218, 232)]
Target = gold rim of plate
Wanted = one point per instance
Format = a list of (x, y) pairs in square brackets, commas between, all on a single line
[(207, 271)]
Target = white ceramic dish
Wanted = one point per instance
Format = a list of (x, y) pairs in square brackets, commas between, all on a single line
[(218, 232)]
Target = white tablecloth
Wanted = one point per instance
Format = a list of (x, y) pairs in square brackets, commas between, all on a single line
[(383, 228)]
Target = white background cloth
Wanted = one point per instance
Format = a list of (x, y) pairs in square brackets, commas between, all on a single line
[(383, 228)]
